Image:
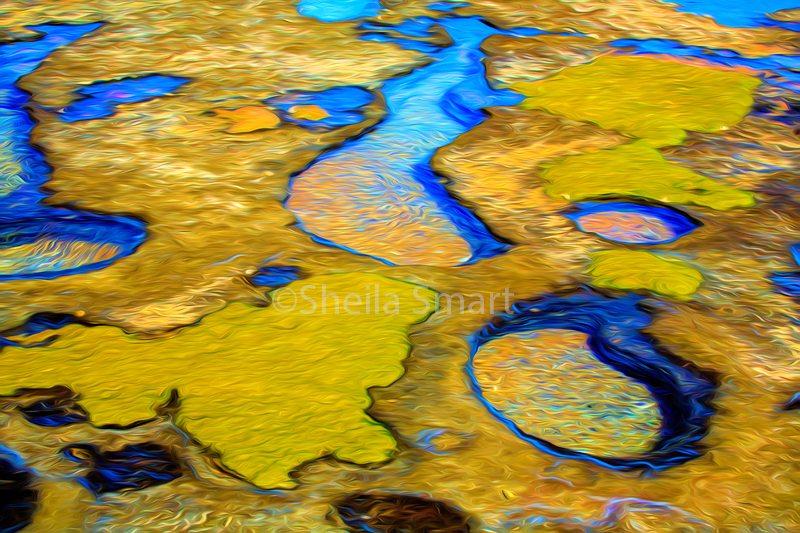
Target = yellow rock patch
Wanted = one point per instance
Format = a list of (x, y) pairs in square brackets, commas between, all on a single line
[(632, 270), (308, 112), (266, 388), (250, 118)]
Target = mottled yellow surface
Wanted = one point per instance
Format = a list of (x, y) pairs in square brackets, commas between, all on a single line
[(236, 49), (267, 388), (550, 386), (652, 99), (632, 270), (212, 204)]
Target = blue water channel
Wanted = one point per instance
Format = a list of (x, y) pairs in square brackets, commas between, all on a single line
[(427, 109)]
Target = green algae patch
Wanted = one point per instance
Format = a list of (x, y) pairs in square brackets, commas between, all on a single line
[(638, 170), (632, 270), (652, 99), (266, 388)]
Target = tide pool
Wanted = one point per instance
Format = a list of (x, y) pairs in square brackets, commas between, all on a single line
[(599, 336), (38, 241), (632, 223)]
